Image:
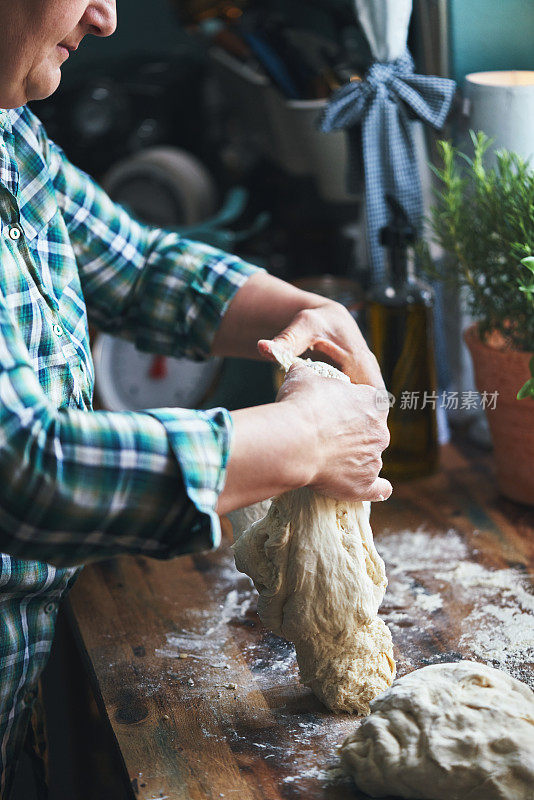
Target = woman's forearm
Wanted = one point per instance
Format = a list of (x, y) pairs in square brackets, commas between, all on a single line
[(266, 308), (260, 310), (272, 452)]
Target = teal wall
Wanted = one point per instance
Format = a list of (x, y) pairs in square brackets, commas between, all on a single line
[(485, 34), (491, 35)]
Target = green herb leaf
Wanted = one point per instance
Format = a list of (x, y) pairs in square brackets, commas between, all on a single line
[(483, 220), (527, 390)]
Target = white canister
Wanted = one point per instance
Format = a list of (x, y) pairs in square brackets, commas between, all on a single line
[(502, 105)]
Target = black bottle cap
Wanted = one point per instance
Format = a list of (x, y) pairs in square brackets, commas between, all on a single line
[(400, 232)]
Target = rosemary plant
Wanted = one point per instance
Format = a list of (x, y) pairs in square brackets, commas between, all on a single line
[(483, 219)]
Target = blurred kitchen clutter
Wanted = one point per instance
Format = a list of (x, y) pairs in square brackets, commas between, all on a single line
[(237, 108)]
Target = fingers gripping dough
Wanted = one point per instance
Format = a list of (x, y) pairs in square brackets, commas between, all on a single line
[(321, 581)]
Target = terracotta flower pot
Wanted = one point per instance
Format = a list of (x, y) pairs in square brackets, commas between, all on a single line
[(502, 370)]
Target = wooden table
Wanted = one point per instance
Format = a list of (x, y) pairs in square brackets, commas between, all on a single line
[(205, 703)]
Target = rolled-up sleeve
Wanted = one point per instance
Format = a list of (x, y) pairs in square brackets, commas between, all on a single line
[(76, 484), (164, 292)]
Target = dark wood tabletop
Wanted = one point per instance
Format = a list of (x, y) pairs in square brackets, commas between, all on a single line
[(205, 703)]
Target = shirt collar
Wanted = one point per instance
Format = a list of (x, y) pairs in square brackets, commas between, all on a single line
[(7, 118)]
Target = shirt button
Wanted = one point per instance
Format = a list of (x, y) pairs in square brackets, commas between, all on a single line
[(58, 330), (14, 232), (50, 608)]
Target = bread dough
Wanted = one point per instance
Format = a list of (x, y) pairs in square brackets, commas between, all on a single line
[(242, 518), (461, 731), (321, 581), (286, 360)]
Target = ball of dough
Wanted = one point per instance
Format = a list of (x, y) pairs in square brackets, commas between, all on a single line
[(461, 731), (321, 581)]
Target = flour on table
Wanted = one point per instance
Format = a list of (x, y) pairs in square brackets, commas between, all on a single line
[(447, 732), (321, 582)]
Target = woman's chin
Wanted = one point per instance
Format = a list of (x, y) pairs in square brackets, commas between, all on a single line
[(44, 84)]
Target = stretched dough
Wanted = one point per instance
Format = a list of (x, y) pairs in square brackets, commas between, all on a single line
[(461, 731), (321, 581)]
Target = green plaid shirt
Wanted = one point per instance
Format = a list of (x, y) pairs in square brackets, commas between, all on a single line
[(78, 484)]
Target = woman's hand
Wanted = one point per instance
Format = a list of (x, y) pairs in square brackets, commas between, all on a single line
[(349, 434), (267, 309), (329, 329), (322, 433)]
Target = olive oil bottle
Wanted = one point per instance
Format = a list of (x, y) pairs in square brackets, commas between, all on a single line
[(400, 327)]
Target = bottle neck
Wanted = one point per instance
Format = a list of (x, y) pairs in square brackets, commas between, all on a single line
[(398, 265), (401, 285)]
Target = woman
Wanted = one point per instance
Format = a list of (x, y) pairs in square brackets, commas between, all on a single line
[(77, 485)]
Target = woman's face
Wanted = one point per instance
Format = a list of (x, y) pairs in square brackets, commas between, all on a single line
[(36, 37)]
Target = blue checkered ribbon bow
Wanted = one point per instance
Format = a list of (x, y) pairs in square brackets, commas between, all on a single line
[(384, 104)]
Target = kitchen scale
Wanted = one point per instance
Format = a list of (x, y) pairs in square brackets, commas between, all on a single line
[(130, 380)]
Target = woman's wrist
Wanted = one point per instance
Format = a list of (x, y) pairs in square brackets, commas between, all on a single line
[(260, 310), (301, 429), (273, 451)]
